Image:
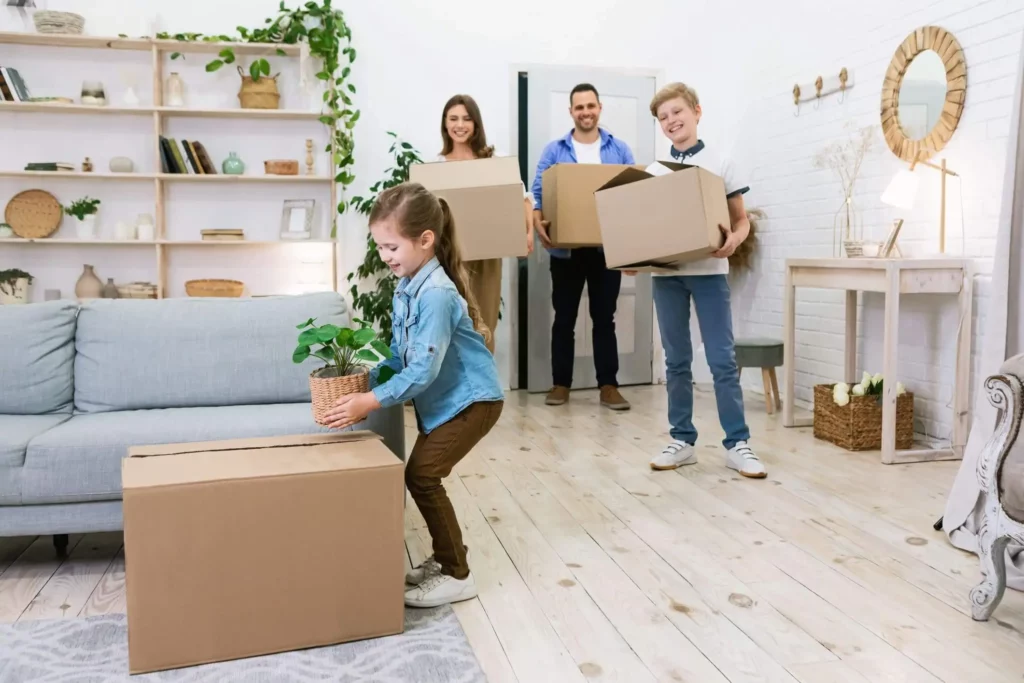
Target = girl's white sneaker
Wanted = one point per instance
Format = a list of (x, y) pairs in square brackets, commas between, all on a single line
[(441, 589)]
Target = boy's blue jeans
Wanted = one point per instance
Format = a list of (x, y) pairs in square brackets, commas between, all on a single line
[(714, 315)]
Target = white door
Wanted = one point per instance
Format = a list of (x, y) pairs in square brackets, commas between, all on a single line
[(625, 114)]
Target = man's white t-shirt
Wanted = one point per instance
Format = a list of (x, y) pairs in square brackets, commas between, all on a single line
[(708, 159), (587, 153)]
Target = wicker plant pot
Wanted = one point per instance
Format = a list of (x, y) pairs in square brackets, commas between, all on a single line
[(857, 426), (261, 94), (326, 391)]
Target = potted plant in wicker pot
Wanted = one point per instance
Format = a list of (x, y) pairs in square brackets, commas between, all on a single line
[(349, 355), (14, 286)]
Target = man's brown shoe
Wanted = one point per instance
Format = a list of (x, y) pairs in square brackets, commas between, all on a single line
[(557, 396), (611, 398)]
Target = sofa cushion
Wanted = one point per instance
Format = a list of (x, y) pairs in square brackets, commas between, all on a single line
[(37, 357), (80, 460), (183, 353), (16, 431)]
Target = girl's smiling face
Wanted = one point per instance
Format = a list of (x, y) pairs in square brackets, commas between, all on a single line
[(402, 255)]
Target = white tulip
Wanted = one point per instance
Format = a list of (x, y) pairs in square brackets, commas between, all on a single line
[(866, 379), (900, 389), (841, 388), (858, 390), (877, 379), (842, 399)]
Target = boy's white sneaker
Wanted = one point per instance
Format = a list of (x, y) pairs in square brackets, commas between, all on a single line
[(743, 459), (676, 454), (441, 589), (423, 571)]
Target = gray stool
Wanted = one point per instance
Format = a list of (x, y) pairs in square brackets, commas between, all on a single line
[(764, 353)]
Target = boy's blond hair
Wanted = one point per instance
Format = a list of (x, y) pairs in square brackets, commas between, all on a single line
[(672, 91)]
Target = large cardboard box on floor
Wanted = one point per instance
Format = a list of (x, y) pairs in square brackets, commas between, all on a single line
[(255, 546), (567, 200), (487, 202), (656, 219)]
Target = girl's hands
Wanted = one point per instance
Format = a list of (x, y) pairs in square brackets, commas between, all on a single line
[(351, 409)]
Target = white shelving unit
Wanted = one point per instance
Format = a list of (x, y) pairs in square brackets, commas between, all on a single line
[(159, 115)]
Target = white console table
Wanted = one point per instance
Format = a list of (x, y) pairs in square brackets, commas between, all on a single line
[(893, 278)]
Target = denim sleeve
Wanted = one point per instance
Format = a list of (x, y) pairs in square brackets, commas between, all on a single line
[(437, 312), (627, 154), (547, 159)]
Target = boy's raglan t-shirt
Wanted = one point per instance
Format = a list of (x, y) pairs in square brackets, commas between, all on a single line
[(710, 160)]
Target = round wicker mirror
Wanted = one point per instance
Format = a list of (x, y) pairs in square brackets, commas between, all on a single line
[(923, 93)]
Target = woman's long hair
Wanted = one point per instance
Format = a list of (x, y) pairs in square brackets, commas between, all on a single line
[(415, 210), (478, 141)]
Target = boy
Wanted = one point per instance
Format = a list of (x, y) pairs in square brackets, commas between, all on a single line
[(678, 111)]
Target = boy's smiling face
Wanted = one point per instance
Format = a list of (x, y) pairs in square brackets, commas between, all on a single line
[(679, 122)]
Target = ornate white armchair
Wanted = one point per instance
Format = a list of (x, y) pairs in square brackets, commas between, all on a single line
[(1001, 477)]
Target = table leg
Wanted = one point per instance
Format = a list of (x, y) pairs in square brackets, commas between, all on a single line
[(890, 355), (789, 350), (962, 383), (851, 337)]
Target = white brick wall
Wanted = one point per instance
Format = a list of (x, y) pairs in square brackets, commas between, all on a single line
[(778, 149)]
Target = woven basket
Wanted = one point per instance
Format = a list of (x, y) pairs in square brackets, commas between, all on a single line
[(326, 391), (47, 21), (34, 214), (222, 288), (857, 426), (260, 94)]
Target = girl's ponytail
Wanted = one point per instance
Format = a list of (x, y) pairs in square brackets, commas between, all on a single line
[(447, 251)]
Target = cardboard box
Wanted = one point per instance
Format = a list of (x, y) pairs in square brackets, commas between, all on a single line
[(651, 222), (487, 203), (567, 200), (255, 546)]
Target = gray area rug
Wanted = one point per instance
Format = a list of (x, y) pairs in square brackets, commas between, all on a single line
[(95, 650)]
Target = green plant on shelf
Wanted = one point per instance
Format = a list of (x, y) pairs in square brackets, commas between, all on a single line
[(9, 279), (375, 304), (80, 208), (345, 351), (329, 37)]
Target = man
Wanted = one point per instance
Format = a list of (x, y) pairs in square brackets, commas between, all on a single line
[(587, 143)]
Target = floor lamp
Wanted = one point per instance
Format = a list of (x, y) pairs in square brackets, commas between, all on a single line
[(902, 192)]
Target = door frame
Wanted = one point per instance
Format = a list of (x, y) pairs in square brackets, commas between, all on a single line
[(513, 146)]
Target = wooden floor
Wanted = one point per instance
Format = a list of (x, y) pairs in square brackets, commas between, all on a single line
[(592, 567)]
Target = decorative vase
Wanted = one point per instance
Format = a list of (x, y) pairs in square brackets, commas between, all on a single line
[(88, 286), (175, 90), (93, 93), (233, 165), (121, 165), (16, 293), (144, 229), (86, 227), (130, 99), (109, 290), (124, 231)]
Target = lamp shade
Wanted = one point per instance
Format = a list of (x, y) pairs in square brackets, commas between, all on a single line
[(902, 190)]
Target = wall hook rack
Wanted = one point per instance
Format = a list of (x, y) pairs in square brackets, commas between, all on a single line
[(822, 87)]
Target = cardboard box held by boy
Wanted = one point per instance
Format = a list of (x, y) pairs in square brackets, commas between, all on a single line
[(656, 219)]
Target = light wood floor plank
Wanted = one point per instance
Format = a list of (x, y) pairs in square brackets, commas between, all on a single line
[(109, 595), (28, 574), (66, 592)]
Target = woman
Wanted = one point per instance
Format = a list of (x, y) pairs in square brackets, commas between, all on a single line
[(463, 137)]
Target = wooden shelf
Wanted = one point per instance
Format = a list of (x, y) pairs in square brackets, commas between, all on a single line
[(73, 241), (240, 243), (170, 177), (143, 44), (179, 112)]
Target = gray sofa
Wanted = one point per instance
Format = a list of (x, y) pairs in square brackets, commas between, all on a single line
[(79, 384)]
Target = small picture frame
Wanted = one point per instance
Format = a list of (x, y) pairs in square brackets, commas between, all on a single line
[(297, 219), (889, 248)]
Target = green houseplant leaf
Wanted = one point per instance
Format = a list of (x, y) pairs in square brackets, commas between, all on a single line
[(300, 354)]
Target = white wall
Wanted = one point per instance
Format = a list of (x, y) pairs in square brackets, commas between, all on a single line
[(777, 149)]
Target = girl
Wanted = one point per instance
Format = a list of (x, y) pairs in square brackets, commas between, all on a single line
[(463, 138), (439, 352)]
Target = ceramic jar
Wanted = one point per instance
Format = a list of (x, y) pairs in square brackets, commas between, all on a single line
[(109, 290), (86, 228), (121, 165), (144, 228), (233, 165), (88, 286), (175, 90)]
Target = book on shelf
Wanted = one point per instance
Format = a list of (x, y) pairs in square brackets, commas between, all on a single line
[(12, 86), (223, 235), (50, 166), (188, 157)]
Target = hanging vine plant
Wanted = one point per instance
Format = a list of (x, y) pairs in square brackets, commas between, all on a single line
[(374, 306), (329, 38)]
